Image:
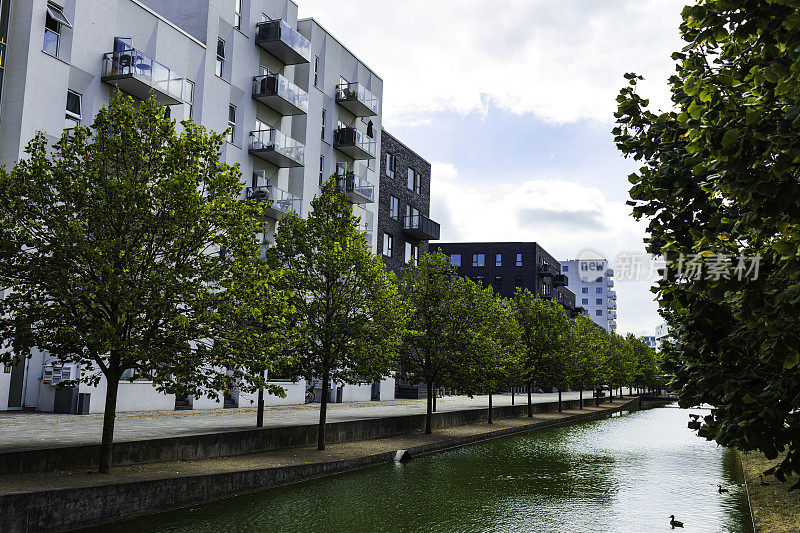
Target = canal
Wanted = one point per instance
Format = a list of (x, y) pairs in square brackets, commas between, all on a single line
[(624, 473)]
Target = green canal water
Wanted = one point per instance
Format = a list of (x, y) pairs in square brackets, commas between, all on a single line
[(623, 473)]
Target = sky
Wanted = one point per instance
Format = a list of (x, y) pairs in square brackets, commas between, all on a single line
[(512, 102)]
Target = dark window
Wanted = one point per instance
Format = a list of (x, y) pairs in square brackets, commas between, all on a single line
[(478, 260), (391, 165), (412, 253), (498, 260), (316, 71), (54, 20), (498, 283), (394, 207), (73, 115), (479, 279), (321, 169), (600, 279), (455, 260), (220, 67), (237, 14), (585, 301), (518, 281), (414, 182), (519, 260), (599, 312), (598, 290), (322, 135), (598, 301), (387, 245), (584, 290), (565, 268), (231, 123)]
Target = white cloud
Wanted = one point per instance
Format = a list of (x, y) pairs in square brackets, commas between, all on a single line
[(560, 60), (564, 217)]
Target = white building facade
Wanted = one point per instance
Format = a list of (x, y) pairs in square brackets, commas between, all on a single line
[(299, 104), (593, 284)]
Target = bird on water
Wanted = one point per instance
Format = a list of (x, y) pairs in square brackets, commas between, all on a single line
[(763, 482), (721, 490), (674, 523)]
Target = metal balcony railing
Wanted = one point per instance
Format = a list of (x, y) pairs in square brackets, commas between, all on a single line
[(421, 227), (357, 99)]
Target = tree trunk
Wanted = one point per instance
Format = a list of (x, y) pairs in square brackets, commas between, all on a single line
[(260, 412), (581, 399), (434, 397), (323, 411), (429, 413), (597, 397), (559, 399), (490, 408), (530, 406), (512, 395), (109, 417), (611, 394)]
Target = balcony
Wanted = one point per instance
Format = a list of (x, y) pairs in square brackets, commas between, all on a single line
[(358, 189), (354, 143), (282, 201), (560, 280), (421, 227), (279, 94), (356, 99), (546, 270), (137, 74), (365, 230), (275, 147), (610, 282), (283, 42)]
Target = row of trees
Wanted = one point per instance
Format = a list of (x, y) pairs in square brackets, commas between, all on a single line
[(718, 181), (126, 246)]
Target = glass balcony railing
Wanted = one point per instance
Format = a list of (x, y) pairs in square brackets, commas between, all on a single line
[(280, 94), (354, 143), (355, 184), (357, 99), (547, 270), (275, 147), (282, 201), (137, 73), (283, 41), (421, 227)]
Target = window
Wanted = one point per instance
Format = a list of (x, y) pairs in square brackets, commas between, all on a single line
[(565, 268), (518, 281), (584, 290), (414, 181), (545, 290), (498, 283), (479, 279), (220, 57), (394, 207), (519, 260), (585, 301), (321, 169), (387, 245), (455, 260), (600, 279), (598, 301), (54, 20), (412, 253), (237, 14), (412, 214), (73, 118), (316, 71), (188, 97), (391, 164), (599, 312), (322, 135), (478, 260), (598, 290), (232, 123), (498, 260)]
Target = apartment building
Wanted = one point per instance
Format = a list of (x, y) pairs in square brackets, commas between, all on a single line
[(506, 266), (404, 224), (593, 284), (300, 107)]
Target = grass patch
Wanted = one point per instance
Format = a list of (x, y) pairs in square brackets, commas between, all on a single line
[(776, 510)]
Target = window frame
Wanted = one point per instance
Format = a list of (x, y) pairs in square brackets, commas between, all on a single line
[(321, 169), (455, 262), (231, 137), (316, 72), (391, 165), (498, 260), (519, 259), (324, 117), (388, 244), (71, 115), (219, 67), (478, 260), (394, 207)]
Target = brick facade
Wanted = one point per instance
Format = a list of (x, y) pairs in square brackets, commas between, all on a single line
[(397, 186)]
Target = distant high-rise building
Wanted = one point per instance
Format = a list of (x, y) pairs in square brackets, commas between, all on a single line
[(592, 282)]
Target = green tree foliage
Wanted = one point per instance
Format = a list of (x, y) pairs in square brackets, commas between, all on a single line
[(587, 347), (350, 314), (108, 249), (544, 339), (434, 334), (719, 179)]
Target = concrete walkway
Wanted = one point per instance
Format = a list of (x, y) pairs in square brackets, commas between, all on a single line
[(26, 431)]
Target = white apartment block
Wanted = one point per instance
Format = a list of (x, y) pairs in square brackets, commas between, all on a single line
[(299, 104), (593, 284)]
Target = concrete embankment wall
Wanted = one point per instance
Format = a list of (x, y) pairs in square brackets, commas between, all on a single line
[(238, 442), (71, 508)]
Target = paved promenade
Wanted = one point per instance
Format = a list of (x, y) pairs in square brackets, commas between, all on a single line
[(24, 431)]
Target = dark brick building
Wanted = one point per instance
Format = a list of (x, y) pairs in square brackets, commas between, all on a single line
[(404, 200), (508, 265)]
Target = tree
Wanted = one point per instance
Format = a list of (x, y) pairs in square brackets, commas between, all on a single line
[(434, 332), (109, 250), (350, 314), (718, 183), (587, 347), (543, 324), (489, 341)]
